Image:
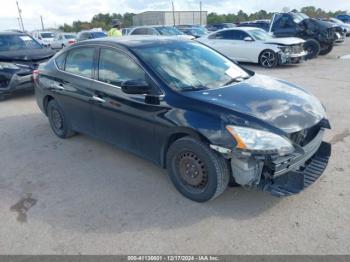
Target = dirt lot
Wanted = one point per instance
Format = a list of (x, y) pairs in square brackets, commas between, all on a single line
[(82, 196)]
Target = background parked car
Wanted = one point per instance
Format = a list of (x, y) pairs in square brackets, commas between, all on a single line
[(344, 17), (159, 30), (254, 45), (319, 35), (85, 35), (20, 54), (44, 37), (344, 26), (219, 26), (63, 39), (126, 30), (195, 31)]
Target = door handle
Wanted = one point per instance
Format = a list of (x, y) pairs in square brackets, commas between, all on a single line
[(58, 86), (98, 99)]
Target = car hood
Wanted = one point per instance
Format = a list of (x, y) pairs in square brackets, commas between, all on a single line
[(26, 55), (285, 41), (279, 103)]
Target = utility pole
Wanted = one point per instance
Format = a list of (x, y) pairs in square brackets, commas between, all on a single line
[(19, 23), (20, 16), (42, 23), (173, 13), (200, 12)]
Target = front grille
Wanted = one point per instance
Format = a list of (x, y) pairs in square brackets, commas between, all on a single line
[(303, 137)]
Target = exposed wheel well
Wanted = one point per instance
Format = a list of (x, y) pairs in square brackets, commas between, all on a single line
[(176, 136), (47, 99)]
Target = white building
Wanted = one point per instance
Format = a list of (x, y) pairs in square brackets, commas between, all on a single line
[(169, 17)]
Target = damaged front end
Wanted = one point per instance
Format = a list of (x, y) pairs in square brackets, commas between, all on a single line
[(284, 175)]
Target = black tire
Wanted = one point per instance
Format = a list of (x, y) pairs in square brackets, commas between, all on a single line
[(58, 121), (326, 49), (313, 48), (197, 172), (268, 58)]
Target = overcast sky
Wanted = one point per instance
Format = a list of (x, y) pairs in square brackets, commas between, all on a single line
[(57, 12)]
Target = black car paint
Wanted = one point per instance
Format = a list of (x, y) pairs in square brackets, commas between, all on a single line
[(27, 60), (147, 124)]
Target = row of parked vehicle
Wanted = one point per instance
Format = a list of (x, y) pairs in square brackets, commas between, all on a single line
[(289, 38)]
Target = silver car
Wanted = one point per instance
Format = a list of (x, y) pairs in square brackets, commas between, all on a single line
[(62, 40)]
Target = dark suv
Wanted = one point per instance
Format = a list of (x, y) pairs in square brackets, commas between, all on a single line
[(189, 109), (319, 35), (20, 54)]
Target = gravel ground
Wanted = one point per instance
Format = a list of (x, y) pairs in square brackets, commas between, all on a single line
[(82, 196)]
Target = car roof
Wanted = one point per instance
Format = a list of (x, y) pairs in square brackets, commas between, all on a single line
[(133, 41), (11, 33)]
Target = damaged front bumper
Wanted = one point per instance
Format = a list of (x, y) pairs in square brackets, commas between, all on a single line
[(291, 58), (282, 175)]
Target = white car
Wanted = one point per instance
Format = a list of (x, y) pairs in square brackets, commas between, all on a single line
[(254, 45), (45, 38), (63, 39), (160, 31)]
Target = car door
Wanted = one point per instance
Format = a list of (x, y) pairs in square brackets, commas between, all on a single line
[(284, 26), (72, 86), (125, 120), (247, 50)]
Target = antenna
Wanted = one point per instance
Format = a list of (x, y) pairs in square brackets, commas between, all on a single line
[(200, 12), (20, 16)]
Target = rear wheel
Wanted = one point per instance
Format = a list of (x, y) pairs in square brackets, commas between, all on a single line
[(268, 58), (313, 48), (58, 121), (326, 49), (197, 172)]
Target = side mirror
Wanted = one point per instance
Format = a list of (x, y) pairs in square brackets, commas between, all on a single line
[(248, 39), (135, 87)]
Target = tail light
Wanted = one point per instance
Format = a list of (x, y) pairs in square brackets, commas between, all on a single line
[(35, 74), (71, 42)]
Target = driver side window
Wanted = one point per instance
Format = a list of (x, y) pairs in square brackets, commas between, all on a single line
[(115, 68)]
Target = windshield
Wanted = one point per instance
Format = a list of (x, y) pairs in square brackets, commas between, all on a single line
[(259, 34), (17, 42), (196, 31), (298, 17), (335, 20), (98, 34), (188, 66), (47, 35), (168, 30), (69, 36)]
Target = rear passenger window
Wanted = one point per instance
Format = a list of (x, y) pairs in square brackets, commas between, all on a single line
[(60, 61), (115, 68), (80, 61)]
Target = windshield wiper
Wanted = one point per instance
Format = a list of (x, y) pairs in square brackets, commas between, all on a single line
[(235, 80), (194, 88)]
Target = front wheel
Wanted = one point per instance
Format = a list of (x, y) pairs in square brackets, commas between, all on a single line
[(313, 48), (58, 121), (326, 49), (196, 171), (268, 59)]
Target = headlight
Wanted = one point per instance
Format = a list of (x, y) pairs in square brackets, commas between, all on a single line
[(286, 49), (260, 141), (4, 65)]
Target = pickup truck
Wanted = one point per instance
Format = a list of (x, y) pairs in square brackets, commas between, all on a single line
[(320, 36)]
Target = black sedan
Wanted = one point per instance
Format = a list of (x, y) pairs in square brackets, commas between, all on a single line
[(189, 109), (20, 54)]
